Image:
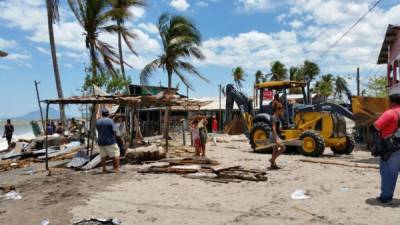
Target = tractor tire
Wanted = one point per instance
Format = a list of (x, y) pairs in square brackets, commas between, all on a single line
[(260, 131), (348, 149), (313, 144)]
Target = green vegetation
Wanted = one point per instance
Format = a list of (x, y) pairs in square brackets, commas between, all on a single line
[(377, 86), (278, 70), (238, 76)]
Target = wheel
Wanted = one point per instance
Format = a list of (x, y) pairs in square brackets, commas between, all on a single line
[(346, 148), (259, 135), (313, 144)]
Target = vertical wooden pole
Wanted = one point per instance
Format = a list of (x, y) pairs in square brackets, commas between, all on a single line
[(358, 81), (220, 110), (47, 140), (40, 106)]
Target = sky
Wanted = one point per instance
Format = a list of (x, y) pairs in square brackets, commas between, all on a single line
[(246, 33)]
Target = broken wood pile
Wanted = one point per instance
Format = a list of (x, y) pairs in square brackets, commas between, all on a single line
[(146, 153), (9, 164), (205, 169)]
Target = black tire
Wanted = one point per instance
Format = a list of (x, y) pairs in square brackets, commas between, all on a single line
[(350, 143), (260, 126), (318, 145)]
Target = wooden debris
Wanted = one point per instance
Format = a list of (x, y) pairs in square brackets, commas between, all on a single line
[(146, 153), (205, 169), (220, 168), (342, 163), (6, 165)]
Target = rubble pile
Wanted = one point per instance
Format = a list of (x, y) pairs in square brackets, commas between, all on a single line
[(205, 169)]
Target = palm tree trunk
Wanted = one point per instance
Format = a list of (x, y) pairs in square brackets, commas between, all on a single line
[(168, 110), (121, 57), (93, 59), (55, 62)]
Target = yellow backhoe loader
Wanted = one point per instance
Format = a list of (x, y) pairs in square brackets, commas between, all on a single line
[(309, 127)]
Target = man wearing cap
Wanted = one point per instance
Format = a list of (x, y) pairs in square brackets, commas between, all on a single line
[(107, 140), (387, 125)]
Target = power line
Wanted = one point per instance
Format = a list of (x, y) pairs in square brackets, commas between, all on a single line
[(324, 31), (350, 29)]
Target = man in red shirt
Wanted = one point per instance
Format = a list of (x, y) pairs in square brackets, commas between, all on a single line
[(214, 130), (387, 125)]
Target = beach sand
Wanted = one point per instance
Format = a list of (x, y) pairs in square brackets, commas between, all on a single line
[(338, 195)]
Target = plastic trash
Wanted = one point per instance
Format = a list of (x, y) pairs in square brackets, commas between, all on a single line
[(12, 195), (344, 189), (45, 222), (200, 175), (299, 194)]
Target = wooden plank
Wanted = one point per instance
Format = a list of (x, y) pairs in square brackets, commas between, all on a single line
[(291, 142), (342, 163), (219, 168)]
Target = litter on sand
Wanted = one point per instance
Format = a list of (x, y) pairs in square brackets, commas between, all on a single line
[(12, 195), (299, 194), (99, 222)]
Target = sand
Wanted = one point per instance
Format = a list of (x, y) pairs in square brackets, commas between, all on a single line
[(338, 195)]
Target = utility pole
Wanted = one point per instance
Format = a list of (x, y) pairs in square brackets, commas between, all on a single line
[(220, 112), (40, 106), (358, 81)]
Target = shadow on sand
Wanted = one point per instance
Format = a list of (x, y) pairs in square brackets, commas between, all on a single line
[(395, 203)]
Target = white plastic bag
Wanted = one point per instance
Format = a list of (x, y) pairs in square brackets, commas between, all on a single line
[(299, 194)]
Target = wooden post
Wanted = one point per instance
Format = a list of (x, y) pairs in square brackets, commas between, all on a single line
[(358, 81), (183, 133), (220, 112), (47, 140), (40, 106)]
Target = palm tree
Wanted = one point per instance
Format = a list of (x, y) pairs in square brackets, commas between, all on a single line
[(259, 76), (324, 87), (120, 13), (94, 17), (238, 76), (278, 70), (295, 75), (181, 40), (3, 54), (341, 87), (52, 17), (309, 71)]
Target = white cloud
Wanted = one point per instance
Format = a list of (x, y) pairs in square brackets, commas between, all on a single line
[(149, 28), (138, 12), (296, 24), (202, 4), (17, 56), (253, 5), (7, 44), (181, 5), (43, 50)]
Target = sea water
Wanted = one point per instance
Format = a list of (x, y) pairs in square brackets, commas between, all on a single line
[(22, 130)]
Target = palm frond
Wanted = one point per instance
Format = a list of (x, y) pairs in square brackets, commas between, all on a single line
[(149, 69), (190, 69), (52, 7)]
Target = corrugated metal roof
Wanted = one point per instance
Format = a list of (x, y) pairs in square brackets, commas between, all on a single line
[(390, 36)]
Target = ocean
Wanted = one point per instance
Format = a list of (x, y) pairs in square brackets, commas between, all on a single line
[(22, 129)]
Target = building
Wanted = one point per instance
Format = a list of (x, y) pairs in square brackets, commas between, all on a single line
[(390, 55)]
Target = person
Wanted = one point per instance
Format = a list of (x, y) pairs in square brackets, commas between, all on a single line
[(195, 137), (120, 134), (279, 148), (107, 141), (389, 166), (214, 129), (203, 136), (8, 132), (50, 128), (60, 129), (73, 125), (275, 102)]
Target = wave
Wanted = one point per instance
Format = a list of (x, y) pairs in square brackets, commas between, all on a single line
[(3, 141)]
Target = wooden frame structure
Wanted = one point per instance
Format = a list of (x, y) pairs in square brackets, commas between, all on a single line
[(129, 101)]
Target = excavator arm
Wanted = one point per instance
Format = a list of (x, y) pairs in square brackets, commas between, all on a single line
[(244, 103)]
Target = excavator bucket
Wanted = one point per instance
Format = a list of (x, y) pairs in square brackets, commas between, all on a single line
[(367, 109)]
